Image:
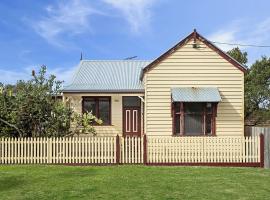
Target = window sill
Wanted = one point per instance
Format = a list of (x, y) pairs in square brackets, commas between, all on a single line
[(193, 135)]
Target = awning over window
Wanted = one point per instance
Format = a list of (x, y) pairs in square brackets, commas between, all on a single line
[(195, 94)]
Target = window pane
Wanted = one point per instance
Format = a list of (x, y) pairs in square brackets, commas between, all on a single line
[(193, 107), (104, 110), (177, 124), (208, 125), (131, 102), (209, 108), (89, 105), (193, 124)]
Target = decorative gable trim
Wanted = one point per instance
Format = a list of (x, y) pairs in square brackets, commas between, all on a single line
[(195, 36)]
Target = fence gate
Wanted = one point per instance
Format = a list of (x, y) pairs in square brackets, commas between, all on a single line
[(131, 150)]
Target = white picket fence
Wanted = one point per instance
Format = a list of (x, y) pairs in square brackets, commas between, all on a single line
[(255, 131), (98, 150), (130, 150), (233, 149)]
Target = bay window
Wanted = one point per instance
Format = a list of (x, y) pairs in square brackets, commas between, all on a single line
[(194, 118)]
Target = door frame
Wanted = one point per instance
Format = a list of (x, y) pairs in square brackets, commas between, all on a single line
[(139, 117)]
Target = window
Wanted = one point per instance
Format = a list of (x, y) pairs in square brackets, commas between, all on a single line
[(194, 118), (131, 101), (99, 106)]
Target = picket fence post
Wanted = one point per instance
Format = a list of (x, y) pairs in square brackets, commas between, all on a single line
[(144, 149), (49, 150), (117, 149), (262, 150)]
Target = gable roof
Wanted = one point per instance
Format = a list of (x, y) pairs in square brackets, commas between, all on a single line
[(103, 76), (196, 36)]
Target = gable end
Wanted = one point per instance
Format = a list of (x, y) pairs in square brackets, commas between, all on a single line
[(195, 36)]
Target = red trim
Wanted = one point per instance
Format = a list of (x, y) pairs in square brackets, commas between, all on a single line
[(207, 164), (117, 149), (262, 150), (194, 35), (165, 164)]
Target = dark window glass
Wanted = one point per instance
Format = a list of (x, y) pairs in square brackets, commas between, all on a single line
[(177, 124), (208, 125), (193, 108), (193, 124), (89, 105), (196, 118), (177, 117), (104, 110), (193, 119), (99, 106), (209, 108), (131, 102)]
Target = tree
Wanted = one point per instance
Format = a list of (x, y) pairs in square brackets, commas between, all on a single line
[(31, 109), (238, 55), (257, 90), (257, 79)]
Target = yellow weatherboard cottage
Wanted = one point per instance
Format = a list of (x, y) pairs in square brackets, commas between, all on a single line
[(193, 89)]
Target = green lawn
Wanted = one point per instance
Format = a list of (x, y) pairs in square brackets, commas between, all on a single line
[(133, 182)]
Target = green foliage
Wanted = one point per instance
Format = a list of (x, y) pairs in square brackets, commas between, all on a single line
[(257, 90), (257, 86), (238, 55), (82, 123), (31, 108)]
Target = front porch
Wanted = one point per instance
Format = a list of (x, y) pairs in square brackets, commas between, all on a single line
[(122, 113)]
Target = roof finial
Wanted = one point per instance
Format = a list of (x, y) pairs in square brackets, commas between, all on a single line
[(195, 38), (81, 56)]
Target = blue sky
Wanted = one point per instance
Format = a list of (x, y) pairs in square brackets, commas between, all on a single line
[(54, 33)]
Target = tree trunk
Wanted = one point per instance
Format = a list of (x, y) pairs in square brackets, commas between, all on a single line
[(12, 126)]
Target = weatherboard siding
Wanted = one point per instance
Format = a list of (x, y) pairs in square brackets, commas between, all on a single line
[(116, 111), (189, 67)]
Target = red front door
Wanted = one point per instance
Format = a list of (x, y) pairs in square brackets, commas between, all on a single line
[(132, 121)]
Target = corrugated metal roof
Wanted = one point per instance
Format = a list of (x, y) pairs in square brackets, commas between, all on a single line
[(195, 94), (108, 76)]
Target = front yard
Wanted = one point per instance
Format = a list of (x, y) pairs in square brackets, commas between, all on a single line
[(133, 182)]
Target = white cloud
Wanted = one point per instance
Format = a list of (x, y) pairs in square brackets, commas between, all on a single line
[(240, 32), (136, 12), (67, 17), (72, 17)]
